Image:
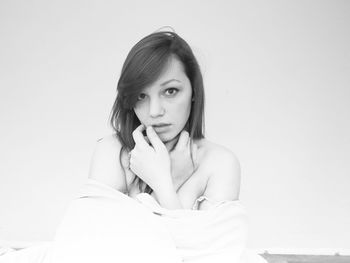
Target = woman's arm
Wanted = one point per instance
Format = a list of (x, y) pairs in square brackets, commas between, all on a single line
[(105, 166), (152, 164), (167, 197), (224, 182)]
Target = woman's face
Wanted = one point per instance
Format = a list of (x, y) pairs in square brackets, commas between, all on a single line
[(166, 103)]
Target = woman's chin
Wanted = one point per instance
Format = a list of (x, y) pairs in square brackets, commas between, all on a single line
[(168, 139), (165, 138)]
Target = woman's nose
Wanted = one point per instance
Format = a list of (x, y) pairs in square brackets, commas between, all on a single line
[(156, 108)]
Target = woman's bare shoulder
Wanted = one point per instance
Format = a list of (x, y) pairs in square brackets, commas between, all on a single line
[(105, 166), (110, 139), (224, 167), (213, 152)]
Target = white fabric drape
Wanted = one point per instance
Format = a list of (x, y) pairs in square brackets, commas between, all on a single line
[(105, 225)]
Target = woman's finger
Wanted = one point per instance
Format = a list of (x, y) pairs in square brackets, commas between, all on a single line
[(146, 139), (138, 136), (182, 143), (194, 152), (154, 139)]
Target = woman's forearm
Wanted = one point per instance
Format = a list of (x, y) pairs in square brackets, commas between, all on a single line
[(167, 197)]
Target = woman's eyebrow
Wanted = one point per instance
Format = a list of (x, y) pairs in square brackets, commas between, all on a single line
[(166, 82)]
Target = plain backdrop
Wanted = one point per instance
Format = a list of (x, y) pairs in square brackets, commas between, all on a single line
[(276, 76)]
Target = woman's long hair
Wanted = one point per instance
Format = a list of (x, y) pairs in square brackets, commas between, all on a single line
[(142, 67)]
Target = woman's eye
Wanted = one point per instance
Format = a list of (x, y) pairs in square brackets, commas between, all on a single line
[(141, 96), (171, 91)]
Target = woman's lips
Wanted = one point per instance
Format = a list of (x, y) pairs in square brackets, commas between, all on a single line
[(161, 127)]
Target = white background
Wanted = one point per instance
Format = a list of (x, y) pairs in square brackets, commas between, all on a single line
[(276, 75)]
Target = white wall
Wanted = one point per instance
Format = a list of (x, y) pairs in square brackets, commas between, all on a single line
[(277, 77)]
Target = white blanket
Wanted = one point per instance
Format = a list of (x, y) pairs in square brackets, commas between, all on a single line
[(105, 225)]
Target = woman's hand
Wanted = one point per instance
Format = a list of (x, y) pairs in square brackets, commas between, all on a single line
[(182, 167), (151, 164)]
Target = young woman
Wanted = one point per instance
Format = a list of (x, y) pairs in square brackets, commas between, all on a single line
[(184, 189), (159, 146)]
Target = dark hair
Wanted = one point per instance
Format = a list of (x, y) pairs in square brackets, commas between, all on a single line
[(142, 67)]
